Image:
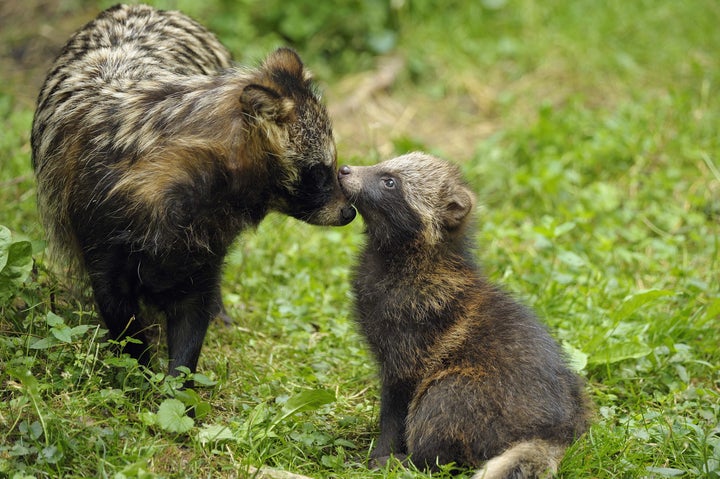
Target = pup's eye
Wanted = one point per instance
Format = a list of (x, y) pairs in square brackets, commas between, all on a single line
[(389, 182)]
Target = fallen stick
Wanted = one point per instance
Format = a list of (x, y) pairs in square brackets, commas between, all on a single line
[(270, 473)]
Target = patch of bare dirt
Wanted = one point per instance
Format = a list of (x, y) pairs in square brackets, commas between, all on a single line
[(370, 113)]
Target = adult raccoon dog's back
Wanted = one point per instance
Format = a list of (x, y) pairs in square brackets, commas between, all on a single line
[(468, 374), (152, 153)]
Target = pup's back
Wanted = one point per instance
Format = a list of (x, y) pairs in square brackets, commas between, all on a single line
[(98, 84)]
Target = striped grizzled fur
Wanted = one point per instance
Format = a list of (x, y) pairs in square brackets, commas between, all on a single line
[(152, 153), (468, 374)]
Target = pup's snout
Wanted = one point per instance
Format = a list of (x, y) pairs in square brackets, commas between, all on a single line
[(344, 171), (350, 186)]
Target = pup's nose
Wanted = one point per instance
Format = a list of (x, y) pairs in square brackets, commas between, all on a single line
[(344, 171)]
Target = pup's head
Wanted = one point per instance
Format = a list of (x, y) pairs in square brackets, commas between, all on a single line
[(282, 105), (415, 198)]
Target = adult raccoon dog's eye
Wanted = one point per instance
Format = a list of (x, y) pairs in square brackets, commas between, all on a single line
[(319, 176), (389, 183)]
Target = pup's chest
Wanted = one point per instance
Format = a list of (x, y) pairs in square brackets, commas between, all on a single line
[(399, 326)]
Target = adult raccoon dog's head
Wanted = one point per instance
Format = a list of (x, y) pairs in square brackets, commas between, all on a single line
[(284, 107), (415, 199)]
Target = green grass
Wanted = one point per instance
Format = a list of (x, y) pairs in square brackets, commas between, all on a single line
[(599, 190)]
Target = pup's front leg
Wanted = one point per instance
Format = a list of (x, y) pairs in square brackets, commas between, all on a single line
[(395, 399)]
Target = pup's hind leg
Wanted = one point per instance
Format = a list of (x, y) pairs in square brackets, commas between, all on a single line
[(454, 420), (446, 423)]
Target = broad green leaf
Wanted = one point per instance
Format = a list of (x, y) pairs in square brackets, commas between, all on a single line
[(636, 301), (53, 320), (15, 264), (138, 470), (202, 380), (64, 334), (172, 418), (307, 401), (25, 377), (577, 359), (331, 461), (202, 409), (192, 399), (665, 471), (79, 330), (344, 443), (148, 418), (212, 433), (189, 397), (301, 402), (44, 343), (571, 259), (33, 430), (21, 450), (614, 353), (5, 242), (51, 454), (563, 228), (19, 262)]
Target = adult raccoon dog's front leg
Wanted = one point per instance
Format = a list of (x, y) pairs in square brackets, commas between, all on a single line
[(189, 300), (188, 317)]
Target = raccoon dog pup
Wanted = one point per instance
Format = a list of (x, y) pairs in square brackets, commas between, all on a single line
[(467, 373), (152, 153)]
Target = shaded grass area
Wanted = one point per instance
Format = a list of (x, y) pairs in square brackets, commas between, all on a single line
[(598, 175)]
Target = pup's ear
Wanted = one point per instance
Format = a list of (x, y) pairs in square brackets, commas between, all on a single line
[(262, 103), (459, 205)]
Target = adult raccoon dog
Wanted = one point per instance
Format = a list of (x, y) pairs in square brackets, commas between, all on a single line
[(467, 373), (152, 153)]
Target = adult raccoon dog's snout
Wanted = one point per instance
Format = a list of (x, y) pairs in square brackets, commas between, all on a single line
[(348, 213), (335, 217), (326, 205)]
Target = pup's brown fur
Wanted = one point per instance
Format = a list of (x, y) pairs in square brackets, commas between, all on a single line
[(468, 374), (152, 153)]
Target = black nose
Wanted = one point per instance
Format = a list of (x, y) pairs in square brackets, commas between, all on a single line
[(344, 171), (348, 213)]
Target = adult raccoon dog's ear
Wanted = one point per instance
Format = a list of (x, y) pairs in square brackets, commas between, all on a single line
[(285, 61), (262, 103), (458, 207)]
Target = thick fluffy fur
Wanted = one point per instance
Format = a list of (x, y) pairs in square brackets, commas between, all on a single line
[(468, 374), (152, 153)]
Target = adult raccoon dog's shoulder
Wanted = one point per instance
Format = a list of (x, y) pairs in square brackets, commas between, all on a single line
[(152, 153), (468, 374)]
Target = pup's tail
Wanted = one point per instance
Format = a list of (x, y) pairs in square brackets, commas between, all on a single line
[(524, 460)]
